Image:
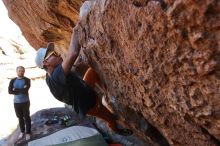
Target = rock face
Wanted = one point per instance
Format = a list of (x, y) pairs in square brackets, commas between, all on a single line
[(159, 59), (45, 21)]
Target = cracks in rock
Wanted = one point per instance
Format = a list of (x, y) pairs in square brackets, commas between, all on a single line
[(64, 20), (55, 25), (153, 133), (215, 140), (140, 3), (217, 74), (176, 10), (143, 3), (147, 128), (163, 4), (156, 136), (75, 4), (51, 36), (212, 9)]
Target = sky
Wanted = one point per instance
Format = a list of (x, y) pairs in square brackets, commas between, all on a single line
[(8, 28)]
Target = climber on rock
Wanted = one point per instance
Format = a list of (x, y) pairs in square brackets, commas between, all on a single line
[(67, 87)]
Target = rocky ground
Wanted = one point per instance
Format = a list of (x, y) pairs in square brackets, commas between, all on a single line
[(40, 129)]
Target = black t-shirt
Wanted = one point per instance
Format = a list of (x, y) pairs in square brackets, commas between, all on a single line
[(71, 90)]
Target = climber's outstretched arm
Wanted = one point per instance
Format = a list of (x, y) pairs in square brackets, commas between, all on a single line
[(73, 51)]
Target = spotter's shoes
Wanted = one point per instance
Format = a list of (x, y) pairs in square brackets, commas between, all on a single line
[(28, 136), (21, 136)]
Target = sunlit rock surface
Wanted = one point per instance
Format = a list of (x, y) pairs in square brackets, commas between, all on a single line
[(45, 21), (159, 59)]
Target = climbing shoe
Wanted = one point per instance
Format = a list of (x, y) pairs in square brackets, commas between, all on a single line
[(28, 136)]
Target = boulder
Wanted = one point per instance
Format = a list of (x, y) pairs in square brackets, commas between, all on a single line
[(159, 59)]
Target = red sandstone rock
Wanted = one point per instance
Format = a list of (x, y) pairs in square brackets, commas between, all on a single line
[(159, 59)]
